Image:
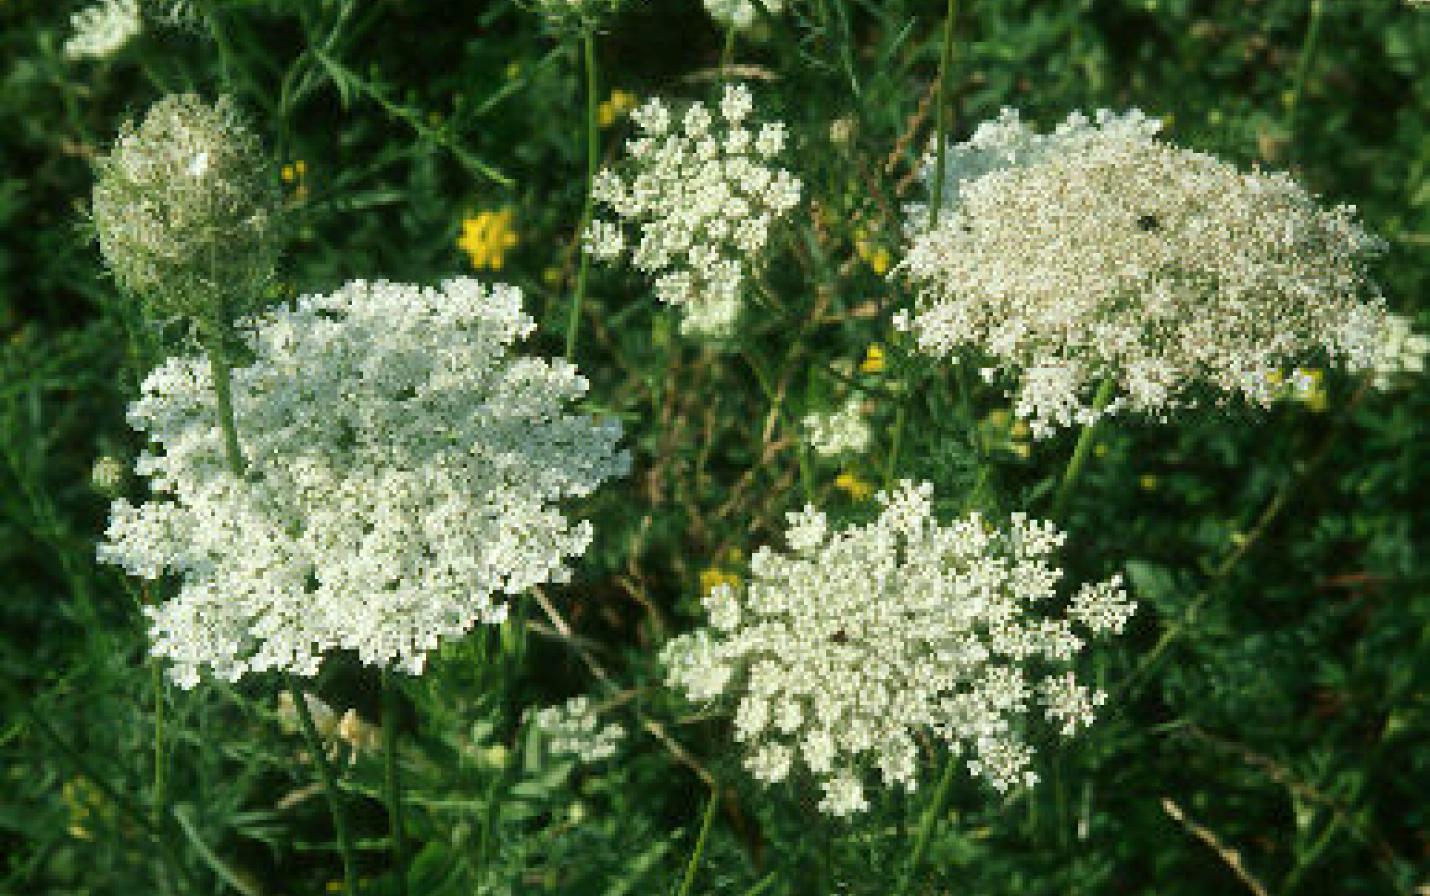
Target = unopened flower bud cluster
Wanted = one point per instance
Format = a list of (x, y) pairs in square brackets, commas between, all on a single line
[(839, 653), (740, 13), (1099, 252), (103, 29), (1402, 352), (574, 729), (186, 208), (575, 14), (846, 431), (703, 193), (403, 469)]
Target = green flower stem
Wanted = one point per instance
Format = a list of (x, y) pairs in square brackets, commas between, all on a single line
[(573, 325), (727, 56), (330, 785), (901, 415), (926, 826), (393, 783), (941, 112), (159, 795), (1303, 70), (1080, 451), (691, 868), (223, 392)]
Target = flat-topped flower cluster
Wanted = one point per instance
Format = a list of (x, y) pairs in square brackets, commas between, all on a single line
[(402, 473), (1099, 253), (703, 194), (574, 729), (841, 651)]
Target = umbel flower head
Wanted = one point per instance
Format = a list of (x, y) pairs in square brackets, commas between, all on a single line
[(840, 652), (703, 193), (739, 13), (186, 206), (1101, 254), (102, 29), (403, 474), (574, 729), (574, 15)]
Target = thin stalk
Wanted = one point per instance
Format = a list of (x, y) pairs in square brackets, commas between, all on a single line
[(926, 826), (393, 784), (573, 325), (700, 843), (941, 112), (330, 785), (891, 466), (159, 796), (223, 392), (1080, 451), (1303, 70), (727, 56)]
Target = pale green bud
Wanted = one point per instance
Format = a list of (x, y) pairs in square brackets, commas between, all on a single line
[(109, 476)]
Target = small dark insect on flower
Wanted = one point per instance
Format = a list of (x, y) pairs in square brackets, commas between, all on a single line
[(839, 637), (1148, 223)]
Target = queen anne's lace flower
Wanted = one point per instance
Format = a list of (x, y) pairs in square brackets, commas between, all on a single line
[(1402, 352), (103, 28), (739, 13), (842, 650), (1099, 253), (187, 209), (703, 193), (574, 729), (402, 473), (845, 431)]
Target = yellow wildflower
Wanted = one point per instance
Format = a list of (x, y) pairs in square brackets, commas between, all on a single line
[(873, 359), (1309, 388), (620, 103), (875, 256), (713, 578), (294, 173), (486, 237), (853, 486)]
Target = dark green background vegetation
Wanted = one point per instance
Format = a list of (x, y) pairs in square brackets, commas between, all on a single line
[(1272, 686)]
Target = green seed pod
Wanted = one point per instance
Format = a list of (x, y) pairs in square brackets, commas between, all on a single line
[(186, 207)]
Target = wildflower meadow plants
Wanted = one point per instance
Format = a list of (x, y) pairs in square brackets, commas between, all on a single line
[(801, 447)]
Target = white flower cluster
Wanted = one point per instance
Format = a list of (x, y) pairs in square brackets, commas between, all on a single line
[(844, 649), (1402, 352), (573, 729), (740, 13), (403, 469), (703, 194), (100, 30), (845, 431), (1098, 253)]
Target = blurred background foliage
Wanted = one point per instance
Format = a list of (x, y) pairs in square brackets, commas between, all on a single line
[(1268, 726)]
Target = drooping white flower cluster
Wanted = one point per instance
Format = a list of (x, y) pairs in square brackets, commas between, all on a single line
[(846, 431), (348, 731), (403, 468), (1402, 352), (100, 30), (703, 194), (574, 729), (841, 651), (739, 13), (1098, 253)]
